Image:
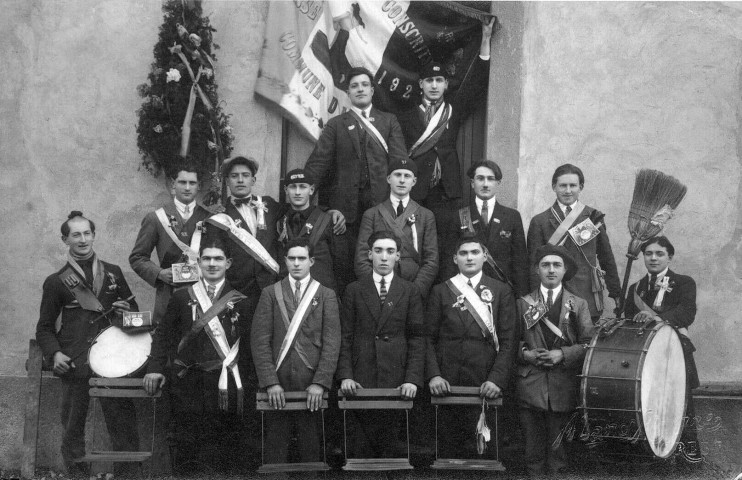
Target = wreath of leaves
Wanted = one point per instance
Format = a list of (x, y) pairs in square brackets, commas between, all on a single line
[(165, 102)]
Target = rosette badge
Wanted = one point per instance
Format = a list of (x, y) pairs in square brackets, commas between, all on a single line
[(486, 295)]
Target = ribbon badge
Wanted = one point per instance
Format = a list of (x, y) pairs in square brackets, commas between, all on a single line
[(260, 210), (460, 303)]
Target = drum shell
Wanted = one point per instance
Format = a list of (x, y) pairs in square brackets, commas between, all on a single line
[(116, 353)]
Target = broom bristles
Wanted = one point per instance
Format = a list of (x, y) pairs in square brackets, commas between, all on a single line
[(654, 193)]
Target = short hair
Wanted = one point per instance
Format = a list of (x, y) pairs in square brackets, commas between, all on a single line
[(300, 242), (568, 169), (662, 241), (355, 71), (467, 238), (215, 242), (65, 229), (249, 162), (186, 167), (487, 164), (384, 235)]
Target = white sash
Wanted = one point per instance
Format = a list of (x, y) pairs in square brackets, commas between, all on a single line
[(191, 250), (476, 302), (218, 338), (251, 244), (373, 130), (296, 321), (432, 124), (557, 238)]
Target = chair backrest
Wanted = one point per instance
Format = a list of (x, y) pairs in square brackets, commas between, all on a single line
[(119, 388), (294, 401), (374, 399), (464, 396)]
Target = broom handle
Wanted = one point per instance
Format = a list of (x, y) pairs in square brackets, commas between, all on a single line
[(625, 285)]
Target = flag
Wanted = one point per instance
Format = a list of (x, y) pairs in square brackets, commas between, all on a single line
[(310, 46)]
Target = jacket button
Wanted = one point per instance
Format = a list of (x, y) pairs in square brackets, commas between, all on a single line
[(386, 339), (377, 337)]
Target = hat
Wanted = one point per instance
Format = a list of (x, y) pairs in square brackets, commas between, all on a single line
[(403, 164), (560, 251), (433, 69), (249, 162), (297, 175)]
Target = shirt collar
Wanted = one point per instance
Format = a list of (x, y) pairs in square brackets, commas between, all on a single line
[(563, 207), (180, 206), (545, 292), (218, 285), (405, 200), (659, 275), (249, 197), (304, 282), (359, 111), (387, 278), (479, 202), (475, 280)]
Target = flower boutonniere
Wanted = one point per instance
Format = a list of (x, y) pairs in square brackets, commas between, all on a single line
[(234, 317), (173, 221), (460, 303), (194, 305), (113, 286), (486, 295), (412, 219), (505, 234), (309, 228), (570, 306), (315, 301), (371, 119), (260, 210), (281, 229)]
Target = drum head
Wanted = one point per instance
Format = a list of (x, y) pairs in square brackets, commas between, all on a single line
[(663, 392), (116, 353)]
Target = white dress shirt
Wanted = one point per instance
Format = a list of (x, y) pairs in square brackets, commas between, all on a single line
[(360, 111), (564, 207), (395, 201), (218, 288), (387, 281), (181, 208), (303, 284), (490, 206), (554, 293), (474, 280)]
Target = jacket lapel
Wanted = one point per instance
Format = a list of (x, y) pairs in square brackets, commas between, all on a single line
[(288, 296), (563, 319), (395, 291), (536, 295), (371, 296), (352, 129), (171, 211)]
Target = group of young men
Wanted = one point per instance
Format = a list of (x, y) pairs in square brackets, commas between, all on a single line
[(388, 283)]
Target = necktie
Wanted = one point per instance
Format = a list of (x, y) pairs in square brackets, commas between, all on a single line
[(241, 201), (429, 112), (363, 114), (400, 208), (382, 290), (211, 291), (550, 299), (485, 214), (567, 211), (468, 282), (186, 213), (297, 294), (652, 282), (296, 224)]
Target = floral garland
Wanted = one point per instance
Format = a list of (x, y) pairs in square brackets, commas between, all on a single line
[(178, 119)]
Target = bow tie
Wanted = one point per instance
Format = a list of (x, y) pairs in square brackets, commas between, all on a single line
[(241, 201)]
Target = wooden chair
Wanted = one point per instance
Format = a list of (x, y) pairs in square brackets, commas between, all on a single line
[(375, 399), (466, 396), (294, 401)]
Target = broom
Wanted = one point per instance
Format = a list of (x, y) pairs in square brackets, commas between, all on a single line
[(656, 196)]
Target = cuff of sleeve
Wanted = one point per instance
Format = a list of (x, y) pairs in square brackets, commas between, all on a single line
[(486, 58)]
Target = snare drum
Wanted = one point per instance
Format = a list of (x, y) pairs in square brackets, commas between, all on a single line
[(633, 386), (116, 353)]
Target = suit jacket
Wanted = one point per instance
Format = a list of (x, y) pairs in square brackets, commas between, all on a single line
[(597, 250), (79, 327), (506, 241), (318, 339), (458, 351), (382, 346), (336, 161), (554, 388), (417, 266), (194, 389), (246, 274), (678, 309), (153, 236), (473, 90)]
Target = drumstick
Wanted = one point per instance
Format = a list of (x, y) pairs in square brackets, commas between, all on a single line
[(110, 310)]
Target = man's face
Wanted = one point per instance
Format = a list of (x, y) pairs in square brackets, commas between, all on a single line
[(567, 188), (298, 262), (401, 182), (214, 264), (433, 88), (81, 237), (551, 270), (240, 181), (656, 258), (360, 91), (185, 186), (384, 255), (469, 258), (484, 183), (299, 194)]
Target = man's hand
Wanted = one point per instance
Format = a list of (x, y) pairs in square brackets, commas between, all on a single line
[(314, 397), (338, 222), (409, 390), (643, 317), (275, 396), (153, 382), (166, 276), (489, 390), (348, 386), (487, 27), (439, 386), (552, 357), (121, 306), (619, 305), (533, 356), (62, 363)]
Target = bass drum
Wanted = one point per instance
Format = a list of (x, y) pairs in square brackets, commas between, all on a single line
[(116, 353), (633, 386)]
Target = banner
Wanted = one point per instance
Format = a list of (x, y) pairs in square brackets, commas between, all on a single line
[(310, 46)]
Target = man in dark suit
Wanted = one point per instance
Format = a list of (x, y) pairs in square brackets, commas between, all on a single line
[(556, 329), (582, 231), (351, 156), (413, 224), (200, 335), (83, 286), (499, 228), (295, 346), (304, 220), (431, 130), (665, 296), (170, 230), (472, 327), (382, 344)]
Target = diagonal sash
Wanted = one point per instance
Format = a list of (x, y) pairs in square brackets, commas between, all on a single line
[(243, 238), (368, 126), (397, 224), (73, 278), (436, 127), (468, 225), (475, 306), (301, 314), (641, 305), (558, 235), (530, 301), (191, 251)]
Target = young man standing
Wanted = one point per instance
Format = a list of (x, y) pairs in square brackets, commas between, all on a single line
[(556, 330), (413, 224), (582, 231), (170, 230), (295, 345)]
